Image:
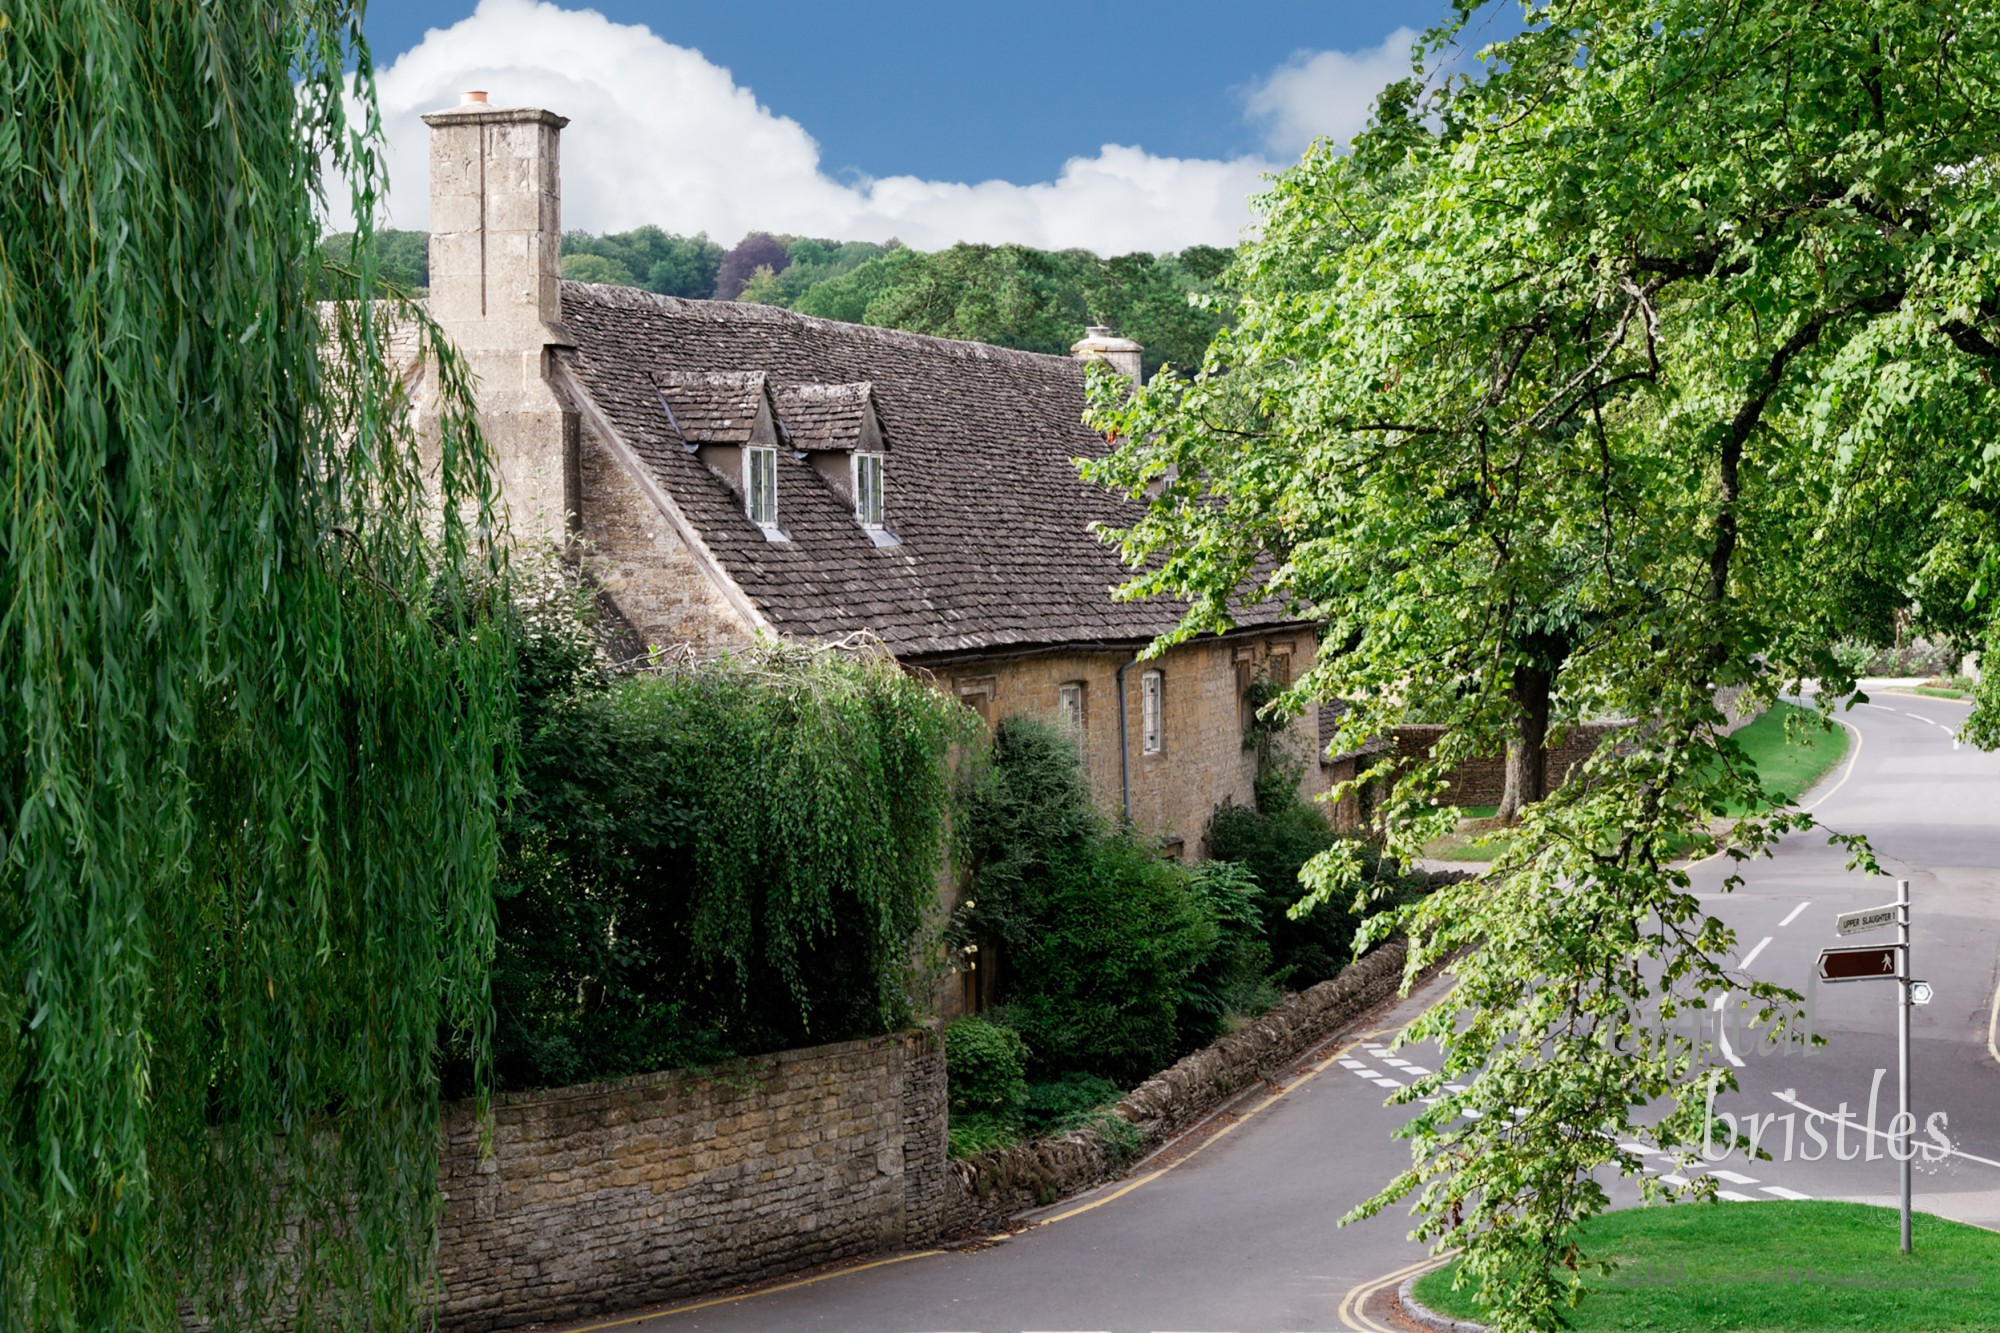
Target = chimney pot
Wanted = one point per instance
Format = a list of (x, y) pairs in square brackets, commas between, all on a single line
[(473, 97), (1099, 343)]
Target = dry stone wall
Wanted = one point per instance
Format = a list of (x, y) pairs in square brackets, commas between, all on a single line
[(995, 1186), (616, 1196), (613, 1196)]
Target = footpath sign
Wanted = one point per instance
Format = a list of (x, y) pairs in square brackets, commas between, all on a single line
[(1860, 923), (1873, 963), (1886, 962)]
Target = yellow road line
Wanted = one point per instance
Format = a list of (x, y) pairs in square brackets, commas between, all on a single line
[(1352, 1312), (1120, 1193), (744, 1296)]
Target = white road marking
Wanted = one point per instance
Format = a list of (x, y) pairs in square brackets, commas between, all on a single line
[(1779, 1191), (1352, 1064), (1795, 913), (1732, 1177), (1790, 1097), (1640, 1148), (1677, 1181), (1733, 1197), (1751, 957), (1921, 718), (1387, 1083), (1722, 1034)]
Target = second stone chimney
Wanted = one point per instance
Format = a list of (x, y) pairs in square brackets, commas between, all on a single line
[(1099, 343), (496, 274)]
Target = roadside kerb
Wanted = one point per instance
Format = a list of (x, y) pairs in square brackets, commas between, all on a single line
[(1419, 1313)]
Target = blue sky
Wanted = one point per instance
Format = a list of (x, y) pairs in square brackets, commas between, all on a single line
[(1115, 127)]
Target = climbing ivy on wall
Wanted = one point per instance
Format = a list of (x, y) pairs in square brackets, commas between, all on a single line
[(252, 709)]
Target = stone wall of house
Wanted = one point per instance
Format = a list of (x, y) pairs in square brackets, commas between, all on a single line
[(613, 1196), (1201, 763), (640, 562)]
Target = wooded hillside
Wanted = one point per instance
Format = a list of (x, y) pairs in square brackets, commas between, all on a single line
[(1009, 295)]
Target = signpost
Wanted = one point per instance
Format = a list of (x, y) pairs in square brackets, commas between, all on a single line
[(1860, 923), (1872, 963), (1877, 963)]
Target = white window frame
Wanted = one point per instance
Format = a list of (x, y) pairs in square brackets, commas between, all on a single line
[(1152, 713), (753, 458), (1070, 706), (868, 499)]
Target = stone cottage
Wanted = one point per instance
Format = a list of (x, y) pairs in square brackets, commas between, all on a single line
[(730, 470)]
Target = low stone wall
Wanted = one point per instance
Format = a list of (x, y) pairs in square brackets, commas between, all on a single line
[(1481, 780), (994, 1186), (612, 1196)]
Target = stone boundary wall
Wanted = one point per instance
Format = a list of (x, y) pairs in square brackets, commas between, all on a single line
[(1481, 780), (614, 1196), (994, 1186)]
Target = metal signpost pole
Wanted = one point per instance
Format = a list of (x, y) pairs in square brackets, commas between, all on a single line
[(1904, 1121)]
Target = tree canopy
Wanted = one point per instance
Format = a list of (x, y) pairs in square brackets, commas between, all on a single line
[(253, 707), (1654, 357)]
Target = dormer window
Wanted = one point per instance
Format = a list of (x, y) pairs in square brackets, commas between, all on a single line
[(868, 490), (760, 486)]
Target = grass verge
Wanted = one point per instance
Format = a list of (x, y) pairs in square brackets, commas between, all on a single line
[(1778, 1267), (1790, 759)]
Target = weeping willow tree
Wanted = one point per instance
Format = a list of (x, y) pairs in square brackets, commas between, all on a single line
[(253, 714)]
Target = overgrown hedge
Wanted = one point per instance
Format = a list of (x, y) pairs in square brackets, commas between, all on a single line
[(711, 860)]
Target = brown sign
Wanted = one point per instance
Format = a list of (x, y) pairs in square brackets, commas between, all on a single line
[(1871, 964)]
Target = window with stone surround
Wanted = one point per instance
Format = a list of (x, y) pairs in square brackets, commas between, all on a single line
[(1152, 728), (1069, 707)]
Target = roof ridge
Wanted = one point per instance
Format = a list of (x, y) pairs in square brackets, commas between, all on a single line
[(750, 312)]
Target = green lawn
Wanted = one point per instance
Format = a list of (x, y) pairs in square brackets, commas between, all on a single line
[(1779, 1267), (1790, 765)]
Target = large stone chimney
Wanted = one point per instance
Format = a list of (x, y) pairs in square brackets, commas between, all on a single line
[(1099, 343), (496, 270)]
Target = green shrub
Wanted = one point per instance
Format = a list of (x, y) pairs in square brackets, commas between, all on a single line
[(1233, 977), (985, 1066), (1061, 1105), (971, 1134), (709, 860), (1272, 843), (1099, 935)]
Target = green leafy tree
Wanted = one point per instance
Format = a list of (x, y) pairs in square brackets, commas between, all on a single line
[(1652, 361), (252, 708), (1007, 295), (846, 296), (596, 268), (402, 258)]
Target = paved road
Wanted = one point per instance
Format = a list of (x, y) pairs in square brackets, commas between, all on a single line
[(1241, 1235)]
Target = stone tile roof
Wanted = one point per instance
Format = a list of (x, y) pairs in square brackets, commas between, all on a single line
[(825, 416), (996, 546), (711, 407)]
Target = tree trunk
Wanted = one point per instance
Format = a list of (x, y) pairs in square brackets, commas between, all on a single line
[(1527, 753)]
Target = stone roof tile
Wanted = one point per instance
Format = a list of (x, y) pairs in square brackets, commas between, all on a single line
[(997, 546)]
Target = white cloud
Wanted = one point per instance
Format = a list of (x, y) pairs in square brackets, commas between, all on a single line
[(1326, 93), (659, 134)]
